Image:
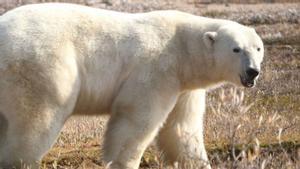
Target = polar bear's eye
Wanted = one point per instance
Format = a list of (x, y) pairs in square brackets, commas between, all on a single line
[(236, 50), (258, 49)]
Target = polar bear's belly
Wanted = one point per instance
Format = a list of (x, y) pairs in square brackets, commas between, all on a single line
[(91, 104), (98, 90)]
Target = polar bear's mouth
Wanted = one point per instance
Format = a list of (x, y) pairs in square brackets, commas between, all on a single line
[(247, 82)]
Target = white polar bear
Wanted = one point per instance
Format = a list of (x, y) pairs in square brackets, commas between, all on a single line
[(149, 71)]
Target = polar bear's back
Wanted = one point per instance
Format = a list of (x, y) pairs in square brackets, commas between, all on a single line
[(63, 10), (55, 23), (59, 18)]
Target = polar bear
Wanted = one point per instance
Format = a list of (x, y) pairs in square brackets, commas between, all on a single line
[(148, 71)]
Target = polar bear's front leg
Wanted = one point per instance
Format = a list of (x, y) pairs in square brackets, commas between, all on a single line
[(126, 141), (181, 137), (138, 113)]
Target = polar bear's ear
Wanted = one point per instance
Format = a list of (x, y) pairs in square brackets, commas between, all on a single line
[(209, 39)]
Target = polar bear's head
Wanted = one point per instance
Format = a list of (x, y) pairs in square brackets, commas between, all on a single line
[(238, 53)]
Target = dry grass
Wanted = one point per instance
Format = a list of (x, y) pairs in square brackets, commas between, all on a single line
[(238, 135), (245, 128)]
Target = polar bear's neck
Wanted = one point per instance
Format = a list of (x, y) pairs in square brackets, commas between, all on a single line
[(198, 67)]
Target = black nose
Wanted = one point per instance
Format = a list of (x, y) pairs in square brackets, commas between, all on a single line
[(252, 73)]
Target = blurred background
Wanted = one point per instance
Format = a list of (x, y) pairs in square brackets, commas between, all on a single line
[(244, 128)]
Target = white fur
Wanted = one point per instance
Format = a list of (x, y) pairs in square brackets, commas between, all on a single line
[(60, 59)]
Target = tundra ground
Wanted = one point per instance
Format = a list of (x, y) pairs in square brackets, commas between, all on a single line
[(244, 128)]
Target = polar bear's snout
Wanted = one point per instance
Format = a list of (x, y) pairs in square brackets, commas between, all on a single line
[(252, 73), (249, 79)]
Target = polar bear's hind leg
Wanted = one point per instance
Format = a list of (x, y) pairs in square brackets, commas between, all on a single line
[(26, 143), (34, 103)]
